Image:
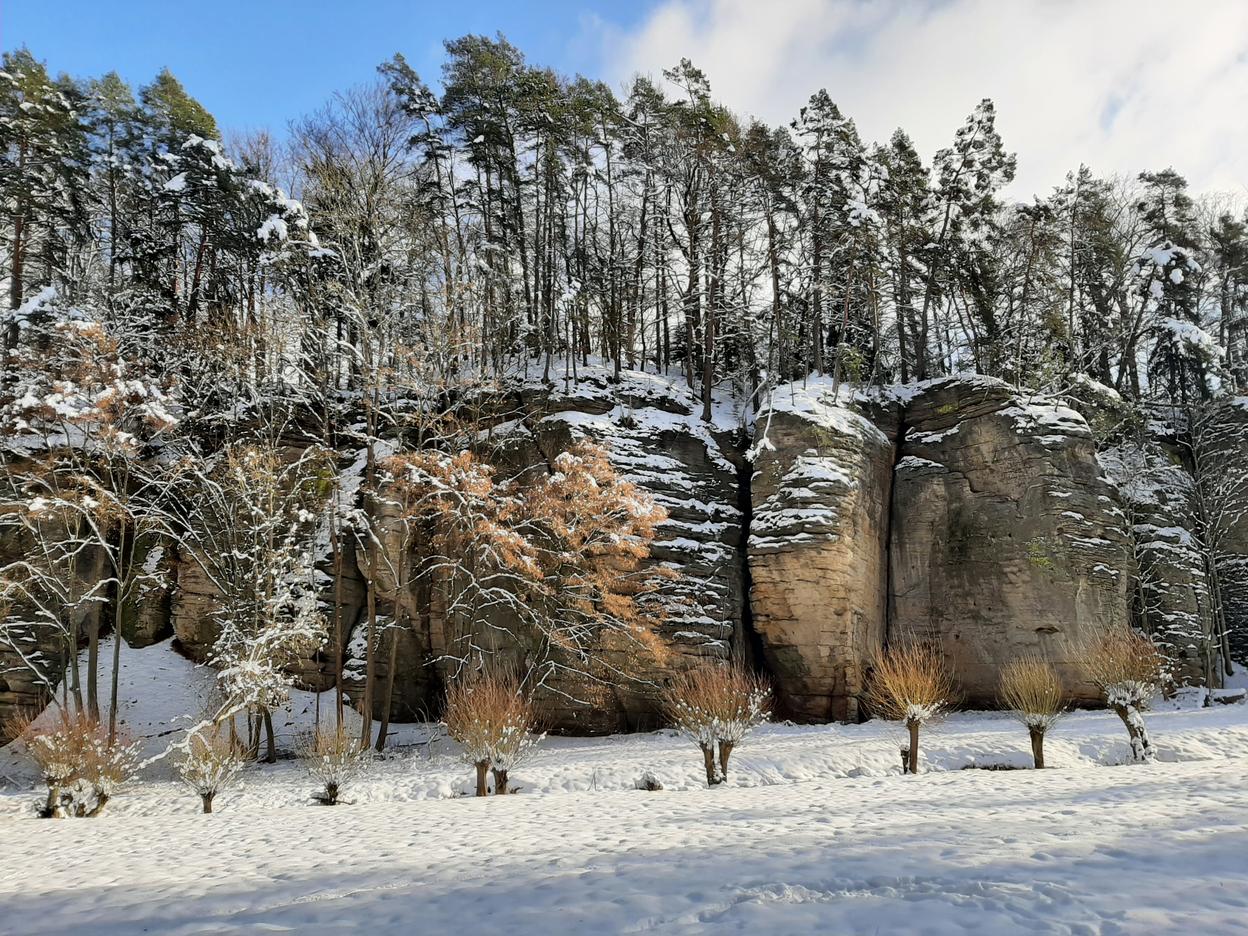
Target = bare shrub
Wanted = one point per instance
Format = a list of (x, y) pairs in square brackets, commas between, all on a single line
[(716, 706), (80, 764), (212, 764), (1128, 668), (110, 763), (1032, 691), (334, 758), (911, 683), (494, 721), (56, 751)]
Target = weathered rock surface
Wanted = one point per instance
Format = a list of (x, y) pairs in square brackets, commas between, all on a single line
[(1171, 600), (36, 632), (1226, 488), (962, 514), (957, 511), (1007, 539), (818, 550), (147, 615), (656, 441)]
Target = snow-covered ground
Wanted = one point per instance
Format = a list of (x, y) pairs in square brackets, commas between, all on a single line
[(817, 831)]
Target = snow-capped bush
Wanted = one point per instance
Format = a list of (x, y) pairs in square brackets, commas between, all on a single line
[(81, 765), (494, 721), (110, 763), (1128, 667), (1032, 691), (912, 683), (334, 758), (716, 706), (212, 764)]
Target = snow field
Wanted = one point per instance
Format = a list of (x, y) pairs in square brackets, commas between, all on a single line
[(816, 831)]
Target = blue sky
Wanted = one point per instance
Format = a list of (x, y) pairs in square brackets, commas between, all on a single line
[(1121, 85), (259, 63)]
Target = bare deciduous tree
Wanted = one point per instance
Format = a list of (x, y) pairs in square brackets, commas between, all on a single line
[(716, 706), (1032, 692), (911, 683)]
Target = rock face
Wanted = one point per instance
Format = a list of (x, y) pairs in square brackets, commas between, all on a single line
[(1226, 446), (1007, 539), (655, 440), (957, 511), (146, 618), (1172, 600), (34, 649), (818, 550)]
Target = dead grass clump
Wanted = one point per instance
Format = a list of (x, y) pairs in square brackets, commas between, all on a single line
[(334, 758), (80, 765), (212, 764)]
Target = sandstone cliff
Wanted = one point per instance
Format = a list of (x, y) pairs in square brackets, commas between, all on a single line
[(818, 559), (1007, 538), (959, 511)]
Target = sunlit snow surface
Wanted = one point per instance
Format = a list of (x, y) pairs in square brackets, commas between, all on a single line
[(816, 832)]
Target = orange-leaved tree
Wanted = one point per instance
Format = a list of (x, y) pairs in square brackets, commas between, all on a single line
[(550, 570)]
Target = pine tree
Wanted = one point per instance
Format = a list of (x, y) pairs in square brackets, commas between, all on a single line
[(43, 177), (1167, 270), (968, 176), (902, 207)]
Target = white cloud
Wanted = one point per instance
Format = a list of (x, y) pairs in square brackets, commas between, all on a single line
[(1121, 86)]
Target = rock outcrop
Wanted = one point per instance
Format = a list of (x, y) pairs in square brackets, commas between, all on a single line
[(957, 511), (1007, 539), (961, 513), (818, 558), (1171, 600), (655, 440), (1225, 473)]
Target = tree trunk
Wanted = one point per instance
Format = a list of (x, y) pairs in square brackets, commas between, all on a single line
[(500, 781), (93, 669), (913, 764), (388, 698), (725, 751), (483, 767), (75, 678), (101, 800), (708, 756), (19, 227), (1141, 746), (366, 706), (112, 694), (711, 317), (336, 551), (207, 799), (270, 756), (53, 808), (1037, 746)]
